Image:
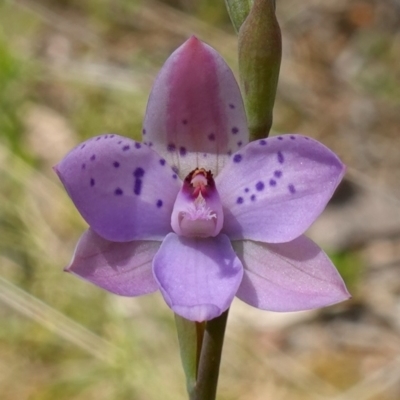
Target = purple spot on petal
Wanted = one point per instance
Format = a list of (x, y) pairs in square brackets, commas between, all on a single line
[(246, 190), (144, 131), (281, 159), (211, 136), (182, 151), (111, 136), (162, 161), (93, 157), (239, 200), (305, 137), (138, 145), (204, 155), (229, 152), (253, 197), (232, 106), (125, 148), (235, 130), (106, 137), (138, 186), (83, 146), (150, 144), (260, 186), (272, 182), (263, 142), (171, 147), (118, 192), (277, 174), (292, 189), (92, 182), (139, 172), (280, 138), (237, 158), (116, 164), (175, 176), (239, 143), (119, 142), (98, 138), (293, 137), (184, 121), (175, 169), (159, 203), (83, 166)]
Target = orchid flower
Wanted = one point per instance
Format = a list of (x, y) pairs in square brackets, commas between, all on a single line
[(196, 211)]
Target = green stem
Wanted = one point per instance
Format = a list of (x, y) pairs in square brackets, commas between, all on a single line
[(210, 358)]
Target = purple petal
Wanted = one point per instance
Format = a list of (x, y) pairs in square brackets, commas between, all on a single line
[(291, 276), (275, 188), (195, 115), (120, 268), (197, 277), (124, 190)]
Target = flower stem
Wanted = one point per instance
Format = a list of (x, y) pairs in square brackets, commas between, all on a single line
[(210, 358)]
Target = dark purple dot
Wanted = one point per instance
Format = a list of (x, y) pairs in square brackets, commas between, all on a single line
[(272, 182), (125, 148), (138, 145), (98, 138), (175, 169), (182, 151), (280, 138), (293, 137), (144, 131), (263, 142), (175, 176), (138, 186), (116, 164), (239, 200), (280, 157), (171, 147), (277, 174), (184, 121), (83, 146), (232, 106), (204, 155), (93, 157), (211, 136), (150, 144), (229, 153), (246, 190), (260, 186), (83, 166), (305, 137), (139, 172), (159, 203), (106, 137), (239, 143), (92, 182), (237, 158), (162, 161), (292, 189), (235, 130), (253, 197), (118, 192), (119, 142), (111, 136)]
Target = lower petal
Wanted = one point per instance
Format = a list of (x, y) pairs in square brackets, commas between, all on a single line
[(291, 276), (120, 268), (198, 277)]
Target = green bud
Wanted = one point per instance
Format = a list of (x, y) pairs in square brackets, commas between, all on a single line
[(260, 53), (238, 11)]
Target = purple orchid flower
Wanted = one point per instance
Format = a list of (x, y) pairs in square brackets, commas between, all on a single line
[(232, 227)]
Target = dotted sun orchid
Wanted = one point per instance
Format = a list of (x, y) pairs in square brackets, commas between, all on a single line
[(196, 211)]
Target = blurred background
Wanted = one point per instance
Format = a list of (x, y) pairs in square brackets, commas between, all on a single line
[(71, 69)]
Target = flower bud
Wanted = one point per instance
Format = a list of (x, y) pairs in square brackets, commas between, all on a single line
[(260, 52)]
